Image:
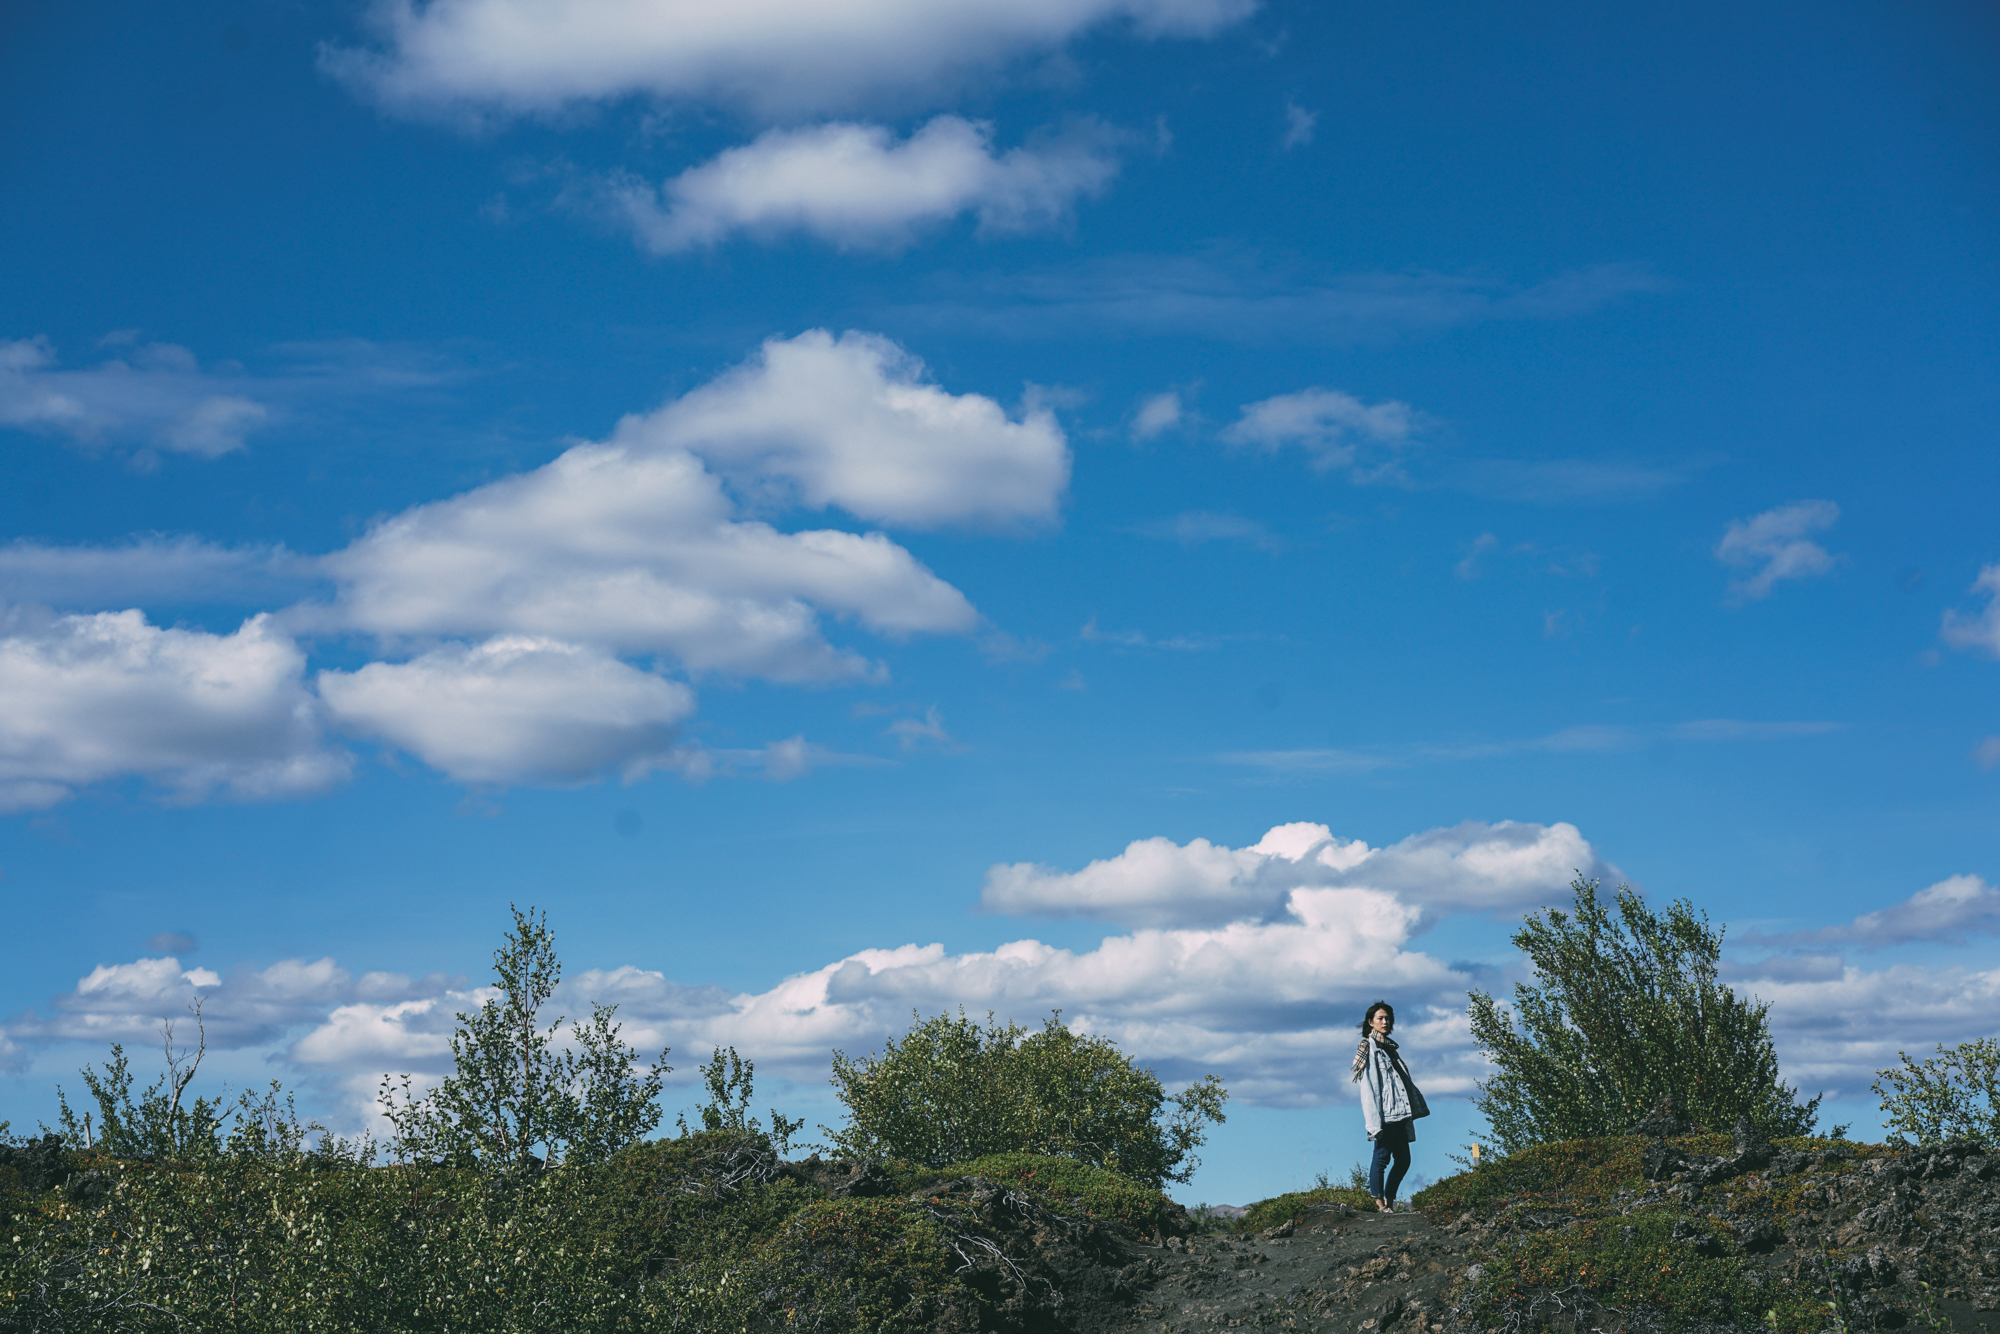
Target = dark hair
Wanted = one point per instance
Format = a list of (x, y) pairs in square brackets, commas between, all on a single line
[(1370, 1014)]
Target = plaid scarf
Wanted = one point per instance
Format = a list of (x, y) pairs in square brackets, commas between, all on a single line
[(1361, 1056)]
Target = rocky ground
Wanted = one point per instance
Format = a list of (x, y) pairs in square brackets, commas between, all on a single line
[(1334, 1269), (1688, 1233)]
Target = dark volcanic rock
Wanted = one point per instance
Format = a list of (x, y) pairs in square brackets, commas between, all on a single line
[(1665, 1121)]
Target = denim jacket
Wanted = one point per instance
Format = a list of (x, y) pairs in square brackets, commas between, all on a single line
[(1387, 1091)]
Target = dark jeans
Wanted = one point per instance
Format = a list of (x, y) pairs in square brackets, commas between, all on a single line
[(1392, 1140)]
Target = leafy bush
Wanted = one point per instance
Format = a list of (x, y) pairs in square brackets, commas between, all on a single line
[(1626, 1010), (731, 1082), (866, 1266), (1953, 1095), (513, 1089), (1625, 1262), (1572, 1236), (1284, 1208), (162, 1124), (951, 1091), (1067, 1186)]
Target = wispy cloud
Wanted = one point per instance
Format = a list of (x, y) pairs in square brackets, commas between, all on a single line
[(1947, 912), (155, 569), (1774, 546), (1156, 415), (1564, 481), (1091, 634), (1582, 739), (1248, 298), (928, 729), (1334, 429), (1323, 760), (157, 395), (1199, 526), (1299, 125), (1981, 631)]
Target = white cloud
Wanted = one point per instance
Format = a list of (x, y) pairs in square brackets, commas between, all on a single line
[(1090, 633), (852, 422), (1950, 910), (1299, 125), (160, 397), (1833, 1031), (1982, 631), (151, 569), (540, 583), (1199, 526), (1330, 426), (1312, 760), (1469, 567), (1155, 882), (912, 732), (858, 188), (1156, 415), (1264, 1004), (1582, 739), (1242, 297), (127, 1002), (1987, 753), (636, 551), (1256, 963), (515, 709), (1775, 543), (88, 698), (516, 56)]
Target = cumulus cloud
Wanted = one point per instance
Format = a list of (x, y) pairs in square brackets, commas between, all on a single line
[(1254, 963), (1156, 882), (1331, 427), (159, 396), (127, 1002), (853, 422), (515, 709), (512, 56), (632, 546), (1262, 1003), (1981, 631), (1948, 911), (858, 187), (1774, 546), (88, 698), (1833, 1030), (505, 615)]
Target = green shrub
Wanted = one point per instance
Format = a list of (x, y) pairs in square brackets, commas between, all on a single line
[(1626, 1269), (1066, 1186), (1625, 1011), (867, 1266), (1284, 1208), (1953, 1095), (701, 1197), (951, 1091), (513, 1090)]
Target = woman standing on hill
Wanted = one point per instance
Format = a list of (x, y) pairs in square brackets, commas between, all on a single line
[(1390, 1102)]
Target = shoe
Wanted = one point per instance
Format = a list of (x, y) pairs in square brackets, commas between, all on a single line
[(1383, 1206)]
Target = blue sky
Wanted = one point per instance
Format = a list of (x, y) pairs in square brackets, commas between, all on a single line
[(1195, 513)]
